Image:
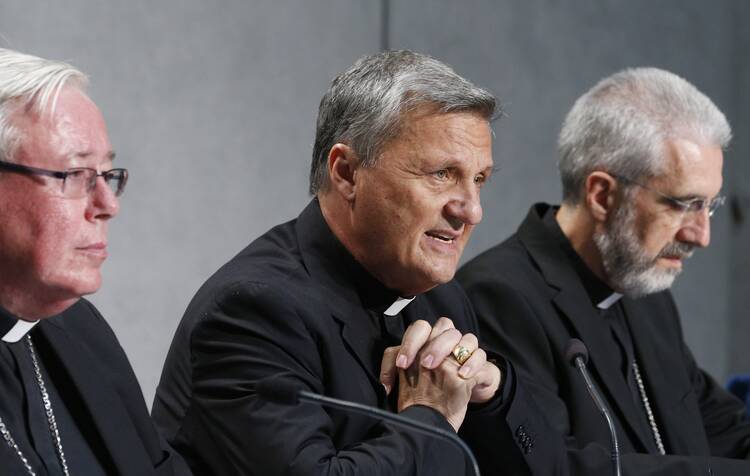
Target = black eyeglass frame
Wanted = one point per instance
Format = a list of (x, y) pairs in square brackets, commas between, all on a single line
[(119, 174), (696, 205)]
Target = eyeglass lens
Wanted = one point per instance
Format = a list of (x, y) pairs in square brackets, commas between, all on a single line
[(79, 182)]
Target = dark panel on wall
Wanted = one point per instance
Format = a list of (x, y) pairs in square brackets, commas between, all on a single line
[(739, 181), (539, 56)]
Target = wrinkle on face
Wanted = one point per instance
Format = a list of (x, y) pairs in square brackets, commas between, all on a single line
[(42, 245), (422, 190)]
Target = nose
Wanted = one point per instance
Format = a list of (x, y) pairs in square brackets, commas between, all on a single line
[(466, 205), (103, 204), (697, 230)]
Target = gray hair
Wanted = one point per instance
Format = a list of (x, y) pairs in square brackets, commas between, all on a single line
[(365, 105), (621, 124), (34, 84)]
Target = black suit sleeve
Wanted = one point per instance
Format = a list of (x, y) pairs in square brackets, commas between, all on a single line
[(724, 420), (255, 331), (520, 336)]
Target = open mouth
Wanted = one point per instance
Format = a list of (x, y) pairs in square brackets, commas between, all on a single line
[(441, 237)]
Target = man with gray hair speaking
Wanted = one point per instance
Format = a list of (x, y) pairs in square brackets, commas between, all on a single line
[(355, 299), (69, 401), (641, 168)]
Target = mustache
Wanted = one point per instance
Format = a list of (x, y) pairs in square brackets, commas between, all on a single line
[(680, 250)]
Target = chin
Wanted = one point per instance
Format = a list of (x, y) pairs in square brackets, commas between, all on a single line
[(437, 276), (84, 286)]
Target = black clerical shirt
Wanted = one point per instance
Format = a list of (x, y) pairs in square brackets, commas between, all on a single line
[(22, 408)]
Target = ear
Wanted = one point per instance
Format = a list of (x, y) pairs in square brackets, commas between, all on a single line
[(342, 170), (600, 189)]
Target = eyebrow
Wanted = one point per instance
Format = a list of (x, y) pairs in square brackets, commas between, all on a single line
[(110, 155)]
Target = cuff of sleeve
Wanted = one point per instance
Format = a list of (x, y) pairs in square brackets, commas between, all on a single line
[(427, 415), (504, 395)]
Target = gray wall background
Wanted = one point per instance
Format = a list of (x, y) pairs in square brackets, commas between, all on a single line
[(211, 105)]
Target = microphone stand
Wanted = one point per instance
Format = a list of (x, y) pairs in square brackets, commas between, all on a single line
[(399, 420)]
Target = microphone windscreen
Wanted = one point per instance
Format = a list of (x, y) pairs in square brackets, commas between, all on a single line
[(575, 349), (278, 390)]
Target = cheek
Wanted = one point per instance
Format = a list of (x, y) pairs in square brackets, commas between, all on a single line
[(396, 212), (53, 247), (656, 236), (57, 232)]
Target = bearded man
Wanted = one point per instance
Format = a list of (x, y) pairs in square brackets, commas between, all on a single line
[(641, 169)]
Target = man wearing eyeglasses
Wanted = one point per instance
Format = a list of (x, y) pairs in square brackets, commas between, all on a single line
[(641, 169), (69, 401)]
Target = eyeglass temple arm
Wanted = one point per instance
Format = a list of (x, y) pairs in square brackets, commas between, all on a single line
[(25, 169)]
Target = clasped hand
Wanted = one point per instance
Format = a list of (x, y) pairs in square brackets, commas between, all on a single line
[(429, 375)]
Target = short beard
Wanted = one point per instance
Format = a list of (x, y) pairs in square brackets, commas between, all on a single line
[(629, 269)]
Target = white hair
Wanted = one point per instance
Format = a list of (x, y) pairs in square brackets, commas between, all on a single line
[(620, 126), (31, 83)]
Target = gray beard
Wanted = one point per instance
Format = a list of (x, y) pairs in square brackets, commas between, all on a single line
[(630, 270)]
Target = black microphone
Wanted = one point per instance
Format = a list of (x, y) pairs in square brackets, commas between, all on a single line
[(578, 356), (283, 391)]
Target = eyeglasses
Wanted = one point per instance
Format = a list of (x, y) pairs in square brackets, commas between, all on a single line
[(76, 182), (693, 206)]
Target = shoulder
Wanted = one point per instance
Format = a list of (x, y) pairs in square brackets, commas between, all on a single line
[(505, 268), (503, 259), (268, 272)]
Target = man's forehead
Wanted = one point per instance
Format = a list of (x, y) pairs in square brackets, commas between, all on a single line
[(74, 135), (690, 164)]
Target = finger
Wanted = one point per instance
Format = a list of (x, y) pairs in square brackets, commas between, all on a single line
[(414, 338), (488, 381), (440, 326), (468, 341), (444, 348), (475, 363), (439, 348), (388, 371)]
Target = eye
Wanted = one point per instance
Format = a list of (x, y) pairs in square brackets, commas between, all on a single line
[(76, 173), (696, 205), (442, 174), (480, 179)]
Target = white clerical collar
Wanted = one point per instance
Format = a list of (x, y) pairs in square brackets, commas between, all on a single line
[(19, 330), (398, 306), (610, 301)]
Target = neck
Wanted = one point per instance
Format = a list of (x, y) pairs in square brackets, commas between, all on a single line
[(579, 227), (30, 308)]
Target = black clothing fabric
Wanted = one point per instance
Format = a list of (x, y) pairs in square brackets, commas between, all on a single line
[(98, 405), (296, 303), (530, 298), (80, 456), (619, 339)]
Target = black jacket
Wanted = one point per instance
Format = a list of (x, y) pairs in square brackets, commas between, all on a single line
[(530, 301), (296, 303), (108, 405)]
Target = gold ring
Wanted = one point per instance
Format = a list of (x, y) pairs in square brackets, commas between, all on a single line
[(461, 354)]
